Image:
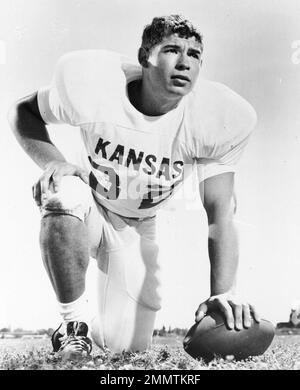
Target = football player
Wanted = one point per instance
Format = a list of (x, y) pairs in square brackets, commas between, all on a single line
[(145, 126)]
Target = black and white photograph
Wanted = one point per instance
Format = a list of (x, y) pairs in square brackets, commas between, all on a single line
[(150, 197)]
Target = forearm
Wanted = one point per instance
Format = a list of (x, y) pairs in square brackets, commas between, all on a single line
[(41, 152), (33, 136), (223, 254)]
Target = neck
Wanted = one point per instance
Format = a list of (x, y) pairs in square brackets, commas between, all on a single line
[(146, 100)]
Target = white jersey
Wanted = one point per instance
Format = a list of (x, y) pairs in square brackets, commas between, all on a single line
[(135, 161)]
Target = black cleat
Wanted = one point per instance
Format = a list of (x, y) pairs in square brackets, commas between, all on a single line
[(55, 339), (75, 344)]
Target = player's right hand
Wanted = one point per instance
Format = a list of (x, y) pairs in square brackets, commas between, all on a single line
[(51, 178)]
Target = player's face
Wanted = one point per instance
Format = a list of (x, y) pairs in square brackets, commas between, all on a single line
[(174, 65)]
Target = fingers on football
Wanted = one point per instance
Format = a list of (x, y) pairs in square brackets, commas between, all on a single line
[(227, 311), (201, 312), (255, 313), (238, 316), (246, 315)]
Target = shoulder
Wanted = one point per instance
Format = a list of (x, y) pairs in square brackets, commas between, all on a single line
[(217, 113), (94, 65), (86, 79), (86, 58), (237, 110), (80, 71)]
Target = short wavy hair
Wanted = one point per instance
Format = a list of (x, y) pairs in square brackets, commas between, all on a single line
[(165, 26)]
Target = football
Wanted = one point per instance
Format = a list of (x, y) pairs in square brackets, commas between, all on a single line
[(211, 338)]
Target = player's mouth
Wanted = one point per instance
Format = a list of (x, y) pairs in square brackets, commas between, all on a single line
[(180, 77), (180, 80)]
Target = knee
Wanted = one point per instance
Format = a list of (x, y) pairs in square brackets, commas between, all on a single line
[(73, 198)]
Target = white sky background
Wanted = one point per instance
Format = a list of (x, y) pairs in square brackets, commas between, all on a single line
[(248, 46)]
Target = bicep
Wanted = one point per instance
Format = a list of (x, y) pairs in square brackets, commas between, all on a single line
[(24, 115), (30, 104), (218, 196), (26, 121)]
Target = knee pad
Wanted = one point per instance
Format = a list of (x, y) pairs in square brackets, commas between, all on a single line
[(73, 198)]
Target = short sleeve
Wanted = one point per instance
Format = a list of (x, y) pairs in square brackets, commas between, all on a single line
[(84, 84), (208, 167), (54, 106), (47, 109), (226, 146)]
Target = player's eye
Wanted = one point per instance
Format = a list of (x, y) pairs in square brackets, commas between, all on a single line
[(172, 51), (195, 55)]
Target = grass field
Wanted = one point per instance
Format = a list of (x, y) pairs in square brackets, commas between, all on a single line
[(165, 354)]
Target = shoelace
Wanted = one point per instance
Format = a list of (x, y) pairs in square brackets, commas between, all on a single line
[(79, 343)]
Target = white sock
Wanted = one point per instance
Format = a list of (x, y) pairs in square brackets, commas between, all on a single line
[(77, 310)]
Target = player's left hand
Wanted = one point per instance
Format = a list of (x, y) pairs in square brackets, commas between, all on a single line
[(237, 313)]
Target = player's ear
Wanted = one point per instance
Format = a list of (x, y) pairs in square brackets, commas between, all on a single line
[(143, 57)]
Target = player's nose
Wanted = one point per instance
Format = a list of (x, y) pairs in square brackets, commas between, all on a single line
[(183, 62)]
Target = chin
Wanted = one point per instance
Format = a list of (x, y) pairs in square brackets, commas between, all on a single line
[(179, 91)]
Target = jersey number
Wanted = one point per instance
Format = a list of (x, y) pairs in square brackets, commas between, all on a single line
[(112, 179), (156, 194)]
